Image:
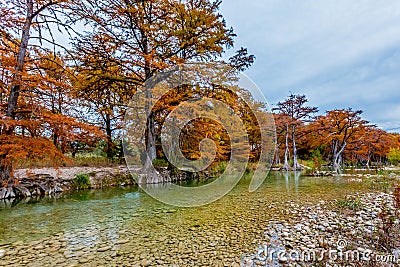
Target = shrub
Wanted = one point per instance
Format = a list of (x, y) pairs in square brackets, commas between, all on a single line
[(396, 196), (388, 234), (159, 163), (394, 156), (219, 168), (81, 181), (316, 157)]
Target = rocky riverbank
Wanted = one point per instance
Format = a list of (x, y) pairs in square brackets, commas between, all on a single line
[(51, 181), (234, 234), (361, 230)]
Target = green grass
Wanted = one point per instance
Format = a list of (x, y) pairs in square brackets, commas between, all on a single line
[(92, 161), (353, 204)]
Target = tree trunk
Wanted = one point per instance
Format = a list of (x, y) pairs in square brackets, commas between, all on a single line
[(277, 158), (16, 83), (286, 166), (109, 146), (5, 171), (296, 165), (368, 161), (55, 138), (337, 155), (6, 166), (152, 176)]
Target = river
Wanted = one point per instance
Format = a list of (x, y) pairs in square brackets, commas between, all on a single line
[(126, 227)]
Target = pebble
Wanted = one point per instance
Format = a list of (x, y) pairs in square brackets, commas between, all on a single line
[(103, 249), (145, 263), (330, 227), (83, 260)]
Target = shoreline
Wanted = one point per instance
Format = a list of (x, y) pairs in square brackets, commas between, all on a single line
[(52, 181)]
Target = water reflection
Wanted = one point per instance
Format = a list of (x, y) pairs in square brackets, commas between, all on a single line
[(286, 174), (296, 181), (93, 216), (291, 179)]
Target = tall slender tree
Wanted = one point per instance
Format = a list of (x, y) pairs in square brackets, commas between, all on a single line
[(294, 108)]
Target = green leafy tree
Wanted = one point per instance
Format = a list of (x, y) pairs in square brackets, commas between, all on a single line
[(394, 156)]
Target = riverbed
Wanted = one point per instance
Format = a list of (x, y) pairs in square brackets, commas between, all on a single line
[(126, 227)]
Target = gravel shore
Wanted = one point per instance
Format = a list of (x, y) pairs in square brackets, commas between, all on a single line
[(323, 228), (350, 231)]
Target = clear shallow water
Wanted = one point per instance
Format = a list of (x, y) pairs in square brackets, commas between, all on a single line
[(126, 227), (120, 208)]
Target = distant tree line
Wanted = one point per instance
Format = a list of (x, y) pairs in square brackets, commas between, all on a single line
[(337, 138)]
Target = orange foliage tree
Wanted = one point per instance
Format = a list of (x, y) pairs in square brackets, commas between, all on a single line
[(371, 145), (339, 136), (198, 129), (338, 128), (144, 37), (103, 85), (33, 86)]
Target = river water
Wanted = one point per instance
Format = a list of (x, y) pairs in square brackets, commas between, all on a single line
[(125, 226)]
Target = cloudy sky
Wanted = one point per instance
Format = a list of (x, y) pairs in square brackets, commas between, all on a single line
[(338, 53)]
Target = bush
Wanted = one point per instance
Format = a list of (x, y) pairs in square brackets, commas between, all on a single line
[(81, 181), (394, 156), (396, 196), (159, 163), (389, 233)]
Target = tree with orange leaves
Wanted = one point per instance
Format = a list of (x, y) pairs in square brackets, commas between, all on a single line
[(198, 129), (29, 127), (294, 109), (371, 144), (150, 36), (103, 85), (338, 129)]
